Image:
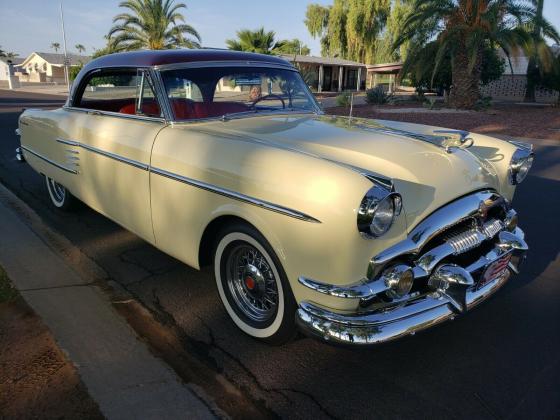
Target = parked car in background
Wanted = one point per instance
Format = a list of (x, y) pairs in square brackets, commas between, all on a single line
[(356, 231)]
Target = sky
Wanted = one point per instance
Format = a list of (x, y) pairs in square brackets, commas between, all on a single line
[(33, 25)]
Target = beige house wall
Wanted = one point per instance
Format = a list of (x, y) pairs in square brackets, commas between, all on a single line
[(39, 70)]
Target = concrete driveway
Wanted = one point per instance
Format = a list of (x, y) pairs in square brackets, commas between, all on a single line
[(500, 361)]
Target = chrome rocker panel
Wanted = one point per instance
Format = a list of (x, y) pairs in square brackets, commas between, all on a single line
[(452, 291)]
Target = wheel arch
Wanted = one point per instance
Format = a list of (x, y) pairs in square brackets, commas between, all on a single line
[(209, 235)]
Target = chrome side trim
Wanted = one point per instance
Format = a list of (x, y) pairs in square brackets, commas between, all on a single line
[(52, 162), (189, 181), (109, 155), (234, 195)]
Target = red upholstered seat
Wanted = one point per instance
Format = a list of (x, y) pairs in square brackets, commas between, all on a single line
[(148, 108), (182, 108), (128, 109), (186, 109)]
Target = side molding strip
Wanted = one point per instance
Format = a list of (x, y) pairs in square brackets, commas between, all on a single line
[(235, 195), (110, 155), (192, 182), (58, 165)]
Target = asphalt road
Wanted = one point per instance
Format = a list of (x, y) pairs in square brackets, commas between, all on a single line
[(502, 360)]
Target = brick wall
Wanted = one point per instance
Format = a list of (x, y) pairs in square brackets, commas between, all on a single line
[(512, 87)]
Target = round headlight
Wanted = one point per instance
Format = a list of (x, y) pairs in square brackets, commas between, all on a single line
[(521, 162), (378, 211)]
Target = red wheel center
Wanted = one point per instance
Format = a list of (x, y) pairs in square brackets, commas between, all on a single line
[(250, 283)]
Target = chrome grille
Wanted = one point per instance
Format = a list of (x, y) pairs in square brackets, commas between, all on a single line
[(472, 237), (465, 241), (492, 227)]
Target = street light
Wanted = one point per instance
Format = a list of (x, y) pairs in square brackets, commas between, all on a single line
[(66, 61)]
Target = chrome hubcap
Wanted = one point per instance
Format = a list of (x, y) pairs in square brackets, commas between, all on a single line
[(251, 283), (58, 191)]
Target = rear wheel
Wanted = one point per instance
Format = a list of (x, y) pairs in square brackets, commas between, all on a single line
[(60, 196), (253, 286)]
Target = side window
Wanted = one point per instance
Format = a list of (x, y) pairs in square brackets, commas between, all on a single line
[(125, 92), (185, 98), (181, 88)]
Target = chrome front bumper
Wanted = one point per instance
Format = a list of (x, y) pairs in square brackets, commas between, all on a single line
[(462, 291)]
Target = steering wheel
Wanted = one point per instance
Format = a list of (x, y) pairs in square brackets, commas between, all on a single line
[(272, 95)]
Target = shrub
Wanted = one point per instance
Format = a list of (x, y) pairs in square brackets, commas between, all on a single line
[(483, 103), (343, 100), (430, 103), (377, 96)]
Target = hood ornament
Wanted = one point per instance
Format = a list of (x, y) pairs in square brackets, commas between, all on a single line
[(455, 139)]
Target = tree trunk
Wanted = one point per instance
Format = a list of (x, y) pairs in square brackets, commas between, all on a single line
[(465, 84), (532, 80), (533, 71)]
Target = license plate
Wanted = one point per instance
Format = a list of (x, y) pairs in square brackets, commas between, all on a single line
[(495, 270)]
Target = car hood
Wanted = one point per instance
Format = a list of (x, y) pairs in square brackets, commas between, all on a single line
[(421, 169)]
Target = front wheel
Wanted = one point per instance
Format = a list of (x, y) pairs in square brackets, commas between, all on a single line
[(253, 286), (60, 196)]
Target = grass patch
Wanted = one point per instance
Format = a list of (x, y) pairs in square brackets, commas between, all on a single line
[(7, 292)]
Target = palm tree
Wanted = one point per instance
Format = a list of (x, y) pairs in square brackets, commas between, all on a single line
[(258, 41), (541, 56), (292, 47), (462, 29), (7, 54), (55, 46), (80, 48), (152, 24)]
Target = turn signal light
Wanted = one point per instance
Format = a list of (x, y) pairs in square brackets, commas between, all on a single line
[(399, 279)]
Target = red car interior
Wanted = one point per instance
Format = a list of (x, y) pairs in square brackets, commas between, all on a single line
[(148, 108), (186, 109)]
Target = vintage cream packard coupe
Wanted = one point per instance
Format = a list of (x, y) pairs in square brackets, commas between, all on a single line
[(356, 231)]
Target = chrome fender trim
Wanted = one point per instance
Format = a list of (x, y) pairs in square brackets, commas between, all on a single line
[(189, 181)]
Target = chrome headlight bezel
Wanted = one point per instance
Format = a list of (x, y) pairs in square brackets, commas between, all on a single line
[(374, 207), (520, 164)]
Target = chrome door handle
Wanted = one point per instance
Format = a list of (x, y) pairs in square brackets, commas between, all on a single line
[(94, 113)]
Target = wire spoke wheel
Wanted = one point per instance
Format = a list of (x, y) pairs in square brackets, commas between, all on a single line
[(251, 283)]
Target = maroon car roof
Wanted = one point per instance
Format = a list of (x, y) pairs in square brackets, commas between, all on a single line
[(148, 58)]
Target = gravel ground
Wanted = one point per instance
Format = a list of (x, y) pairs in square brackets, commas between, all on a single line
[(36, 380), (506, 119)]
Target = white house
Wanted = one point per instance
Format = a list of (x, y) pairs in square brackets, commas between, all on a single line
[(48, 67), (5, 66), (512, 85)]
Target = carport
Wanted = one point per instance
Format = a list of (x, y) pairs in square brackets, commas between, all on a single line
[(375, 72), (331, 74)]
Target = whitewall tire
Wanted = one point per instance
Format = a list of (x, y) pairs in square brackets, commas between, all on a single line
[(252, 285), (59, 195)]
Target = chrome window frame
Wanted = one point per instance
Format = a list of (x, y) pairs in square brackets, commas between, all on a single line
[(69, 106), (248, 64)]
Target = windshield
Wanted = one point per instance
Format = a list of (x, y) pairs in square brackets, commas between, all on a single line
[(217, 91)]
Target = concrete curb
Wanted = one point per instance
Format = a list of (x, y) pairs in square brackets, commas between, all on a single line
[(121, 375)]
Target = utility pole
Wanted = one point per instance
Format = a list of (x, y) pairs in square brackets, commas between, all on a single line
[(66, 62)]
